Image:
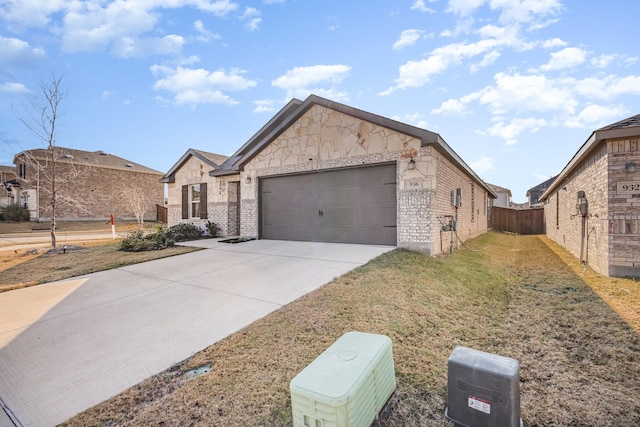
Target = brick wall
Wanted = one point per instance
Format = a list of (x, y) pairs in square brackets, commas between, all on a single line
[(610, 243), (471, 216), (90, 193)]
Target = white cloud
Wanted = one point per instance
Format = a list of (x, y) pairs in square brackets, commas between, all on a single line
[(607, 87), (510, 132), (89, 26), (602, 61), (418, 73), (407, 38), (532, 12), (299, 82), (553, 43), (489, 59), (464, 7), (205, 35), (199, 86), (421, 7), (16, 52), (482, 165), (252, 17), (566, 58), (594, 116), (14, 88), (265, 106), (515, 92), (452, 107), (129, 47)]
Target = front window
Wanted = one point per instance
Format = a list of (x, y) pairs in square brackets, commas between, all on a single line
[(194, 199)]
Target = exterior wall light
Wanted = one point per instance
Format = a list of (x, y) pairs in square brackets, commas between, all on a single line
[(411, 165), (631, 167), (247, 180)]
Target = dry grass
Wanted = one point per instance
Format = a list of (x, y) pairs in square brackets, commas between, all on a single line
[(26, 268), (8, 227), (580, 360)]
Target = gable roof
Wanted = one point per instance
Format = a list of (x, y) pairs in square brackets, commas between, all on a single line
[(296, 108), (625, 128), (91, 158), (542, 186), (497, 189), (211, 159)]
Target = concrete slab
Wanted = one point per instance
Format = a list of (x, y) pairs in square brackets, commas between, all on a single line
[(69, 345)]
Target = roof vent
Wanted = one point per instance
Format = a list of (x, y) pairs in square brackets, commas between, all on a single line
[(67, 157), (129, 165), (102, 153)]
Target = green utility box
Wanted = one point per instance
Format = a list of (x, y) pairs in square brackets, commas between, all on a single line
[(347, 385)]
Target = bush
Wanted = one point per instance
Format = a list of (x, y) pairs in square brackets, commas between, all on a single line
[(138, 240), (184, 232), (212, 229), (14, 213)]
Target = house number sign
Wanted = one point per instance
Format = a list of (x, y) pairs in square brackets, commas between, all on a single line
[(628, 188)]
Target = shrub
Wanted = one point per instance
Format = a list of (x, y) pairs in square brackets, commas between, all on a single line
[(184, 232), (15, 213), (138, 240), (212, 229)]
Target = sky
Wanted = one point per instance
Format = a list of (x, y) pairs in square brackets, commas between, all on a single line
[(515, 87)]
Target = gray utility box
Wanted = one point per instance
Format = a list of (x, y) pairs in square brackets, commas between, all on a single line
[(483, 389)]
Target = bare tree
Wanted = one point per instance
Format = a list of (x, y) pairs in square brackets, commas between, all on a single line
[(43, 123), (139, 198)]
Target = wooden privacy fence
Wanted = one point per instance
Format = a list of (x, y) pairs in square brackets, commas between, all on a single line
[(525, 221), (162, 214)]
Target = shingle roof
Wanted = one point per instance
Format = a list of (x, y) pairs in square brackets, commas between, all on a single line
[(626, 123), (92, 158), (212, 159), (626, 128)]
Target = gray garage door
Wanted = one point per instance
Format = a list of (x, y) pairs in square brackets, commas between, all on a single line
[(356, 205)]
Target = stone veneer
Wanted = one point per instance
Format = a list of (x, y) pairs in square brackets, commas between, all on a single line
[(325, 139), (612, 236)]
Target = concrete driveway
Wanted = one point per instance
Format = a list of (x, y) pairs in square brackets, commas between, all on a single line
[(68, 345)]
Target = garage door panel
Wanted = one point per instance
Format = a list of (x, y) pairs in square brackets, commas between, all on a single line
[(356, 205)]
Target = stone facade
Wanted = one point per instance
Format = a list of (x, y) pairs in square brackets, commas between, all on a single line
[(607, 238), (86, 190), (222, 206), (320, 135)]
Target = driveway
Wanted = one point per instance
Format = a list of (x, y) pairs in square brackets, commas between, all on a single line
[(68, 345)]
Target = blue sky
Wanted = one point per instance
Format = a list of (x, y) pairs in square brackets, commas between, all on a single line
[(514, 86)]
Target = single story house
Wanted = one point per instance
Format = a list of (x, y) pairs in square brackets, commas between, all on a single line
[(592, 208), (324, 171), (88, 185)]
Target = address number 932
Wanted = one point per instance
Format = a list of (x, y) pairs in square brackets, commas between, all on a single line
[(629, 187)]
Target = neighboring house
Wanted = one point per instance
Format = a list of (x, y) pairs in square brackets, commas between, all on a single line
[(504, 196), (191, 192), (323, 171), (89, 185), (534, 193), (8, 179), (593, 206)]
